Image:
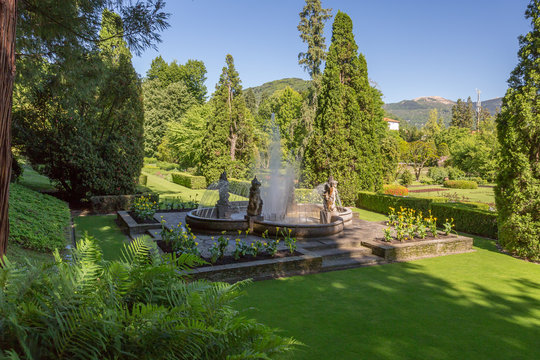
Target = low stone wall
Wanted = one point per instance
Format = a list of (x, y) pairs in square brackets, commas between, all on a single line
[(131, 227), (260, 270), (411, 250), (107, 204)]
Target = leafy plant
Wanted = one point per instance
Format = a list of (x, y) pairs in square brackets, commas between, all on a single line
[(180, 239), (144, 207), (138, 308), (289, 240), (388, 234), (447, 226), (241, 249)]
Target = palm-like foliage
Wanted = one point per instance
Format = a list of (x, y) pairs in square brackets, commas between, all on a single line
[(141, 307)]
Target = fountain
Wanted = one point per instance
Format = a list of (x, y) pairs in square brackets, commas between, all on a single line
[(270, 206)]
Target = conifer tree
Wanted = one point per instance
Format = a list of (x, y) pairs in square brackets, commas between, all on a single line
[(229, 142), (348, 126), (517, 193), (463, 114), (432, 126), (311, 27)]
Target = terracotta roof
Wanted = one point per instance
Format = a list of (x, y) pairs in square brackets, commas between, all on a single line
[(390, 120)]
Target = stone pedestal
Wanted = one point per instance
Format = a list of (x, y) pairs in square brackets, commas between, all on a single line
[(223, 211), (326, 217), (251, 219)]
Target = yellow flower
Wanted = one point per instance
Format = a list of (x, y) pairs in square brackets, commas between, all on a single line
[(198, 243)]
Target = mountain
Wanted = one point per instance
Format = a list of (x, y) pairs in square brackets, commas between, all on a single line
[(416, 111), (268, 88)]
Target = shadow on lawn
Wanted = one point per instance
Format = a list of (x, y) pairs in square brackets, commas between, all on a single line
[(405, 311)]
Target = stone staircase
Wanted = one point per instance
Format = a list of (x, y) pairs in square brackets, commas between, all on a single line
[(339, 254)]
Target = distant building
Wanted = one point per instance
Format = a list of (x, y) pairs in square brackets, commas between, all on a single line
[(392, 124)]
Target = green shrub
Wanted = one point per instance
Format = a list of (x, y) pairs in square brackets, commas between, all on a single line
[(167, 166), (438, 174), (110, 203), (381, 203), (307, 196), (140, 307), (143, 179), (37, 221), (239, 187), (406, 178), (188, 180), (468, 218), (396, 190), (150, 160), (460, 184), (455, 173)]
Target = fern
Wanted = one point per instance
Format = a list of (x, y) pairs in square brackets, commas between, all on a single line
[(142, 307)]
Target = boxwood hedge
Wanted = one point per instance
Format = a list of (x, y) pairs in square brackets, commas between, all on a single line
[(188, 180), (471, 218)]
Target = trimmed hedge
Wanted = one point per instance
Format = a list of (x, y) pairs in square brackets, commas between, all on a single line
[(188, 180), (461, 184), (380, 203), (467, 218), (236, 185), (143, 179), (471, 218), (37, 221), (397, 190)]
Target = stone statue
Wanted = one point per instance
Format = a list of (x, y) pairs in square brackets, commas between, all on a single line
[(330, 195), (223, 206), (255, 201)]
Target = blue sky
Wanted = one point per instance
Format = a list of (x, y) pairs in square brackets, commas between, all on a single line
[(413, 48)]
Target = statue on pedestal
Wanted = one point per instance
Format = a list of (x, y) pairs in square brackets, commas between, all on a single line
[(330, 196), (255, 201), (223, 206)]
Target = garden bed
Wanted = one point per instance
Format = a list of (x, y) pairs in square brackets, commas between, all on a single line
[(304, 263), (420, 248)]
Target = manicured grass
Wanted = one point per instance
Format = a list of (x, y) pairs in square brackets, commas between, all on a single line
[(35, 181), (369, 215), (108, 235), (481, 305), (482, 194), (169, 189)]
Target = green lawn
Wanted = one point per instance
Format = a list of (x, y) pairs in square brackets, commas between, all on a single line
[(35, 181), (369, 215), (481, 305), (107, 233), (167, 189), (482, 194)]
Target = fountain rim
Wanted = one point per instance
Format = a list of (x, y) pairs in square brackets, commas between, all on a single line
[(216, 226)]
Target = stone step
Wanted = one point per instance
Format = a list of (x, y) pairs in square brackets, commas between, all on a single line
[(322, 245), (357, 261), (342, 253)]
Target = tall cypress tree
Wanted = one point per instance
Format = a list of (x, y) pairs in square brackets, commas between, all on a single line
[(518, 184), (229, 143), (348, 127)]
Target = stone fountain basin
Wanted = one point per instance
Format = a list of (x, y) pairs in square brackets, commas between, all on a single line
[(299, 230)]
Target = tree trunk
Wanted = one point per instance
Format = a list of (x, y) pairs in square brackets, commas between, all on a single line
[(233, 140), (8, 19)]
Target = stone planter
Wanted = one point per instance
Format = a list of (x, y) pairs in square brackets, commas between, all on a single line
[(411, 250)]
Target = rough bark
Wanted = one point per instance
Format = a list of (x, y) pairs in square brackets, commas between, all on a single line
[(7, 72)]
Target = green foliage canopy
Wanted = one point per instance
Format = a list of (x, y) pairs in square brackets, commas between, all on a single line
[(517, 193), (349, 123), (88, 134)]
